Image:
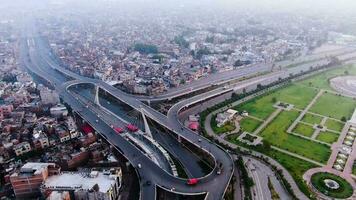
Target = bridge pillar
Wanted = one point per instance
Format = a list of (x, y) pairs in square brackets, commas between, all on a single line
[(147, 128), (96, 98)]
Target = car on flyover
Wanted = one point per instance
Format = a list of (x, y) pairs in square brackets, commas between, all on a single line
[(192, 181)]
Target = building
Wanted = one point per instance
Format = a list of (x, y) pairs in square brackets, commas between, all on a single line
[(59, 111), (48, 97), (62, 133), (22, 148), (223, 118), (103, 185), (26, 182), (39, 138), (6, 110)]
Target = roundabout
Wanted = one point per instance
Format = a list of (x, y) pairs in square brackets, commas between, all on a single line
[(346, 85), (331, 185)]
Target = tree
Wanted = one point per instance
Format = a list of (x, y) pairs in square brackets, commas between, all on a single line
[(343, 119), (266, 145), (274, 100), (181, 41), (146, 48)]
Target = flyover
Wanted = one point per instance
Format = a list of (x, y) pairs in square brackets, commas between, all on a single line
[(213, 185)]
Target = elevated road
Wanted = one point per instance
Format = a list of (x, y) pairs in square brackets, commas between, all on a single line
[(213, 185)]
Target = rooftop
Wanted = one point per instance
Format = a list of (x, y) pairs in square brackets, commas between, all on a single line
[(32, 168), (77, 180)]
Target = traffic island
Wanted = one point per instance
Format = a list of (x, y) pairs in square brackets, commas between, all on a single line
[(331, 185)]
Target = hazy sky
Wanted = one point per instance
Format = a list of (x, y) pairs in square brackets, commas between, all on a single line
[(318, 6)]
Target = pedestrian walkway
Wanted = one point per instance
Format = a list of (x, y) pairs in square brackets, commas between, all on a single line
[(267, 121), (300, 117)]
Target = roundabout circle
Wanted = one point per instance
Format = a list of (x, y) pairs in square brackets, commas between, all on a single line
[(331, 185), (346, 85)]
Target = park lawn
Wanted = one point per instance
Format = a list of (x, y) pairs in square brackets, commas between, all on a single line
[(298, 95), (249, 125), (295, 166), (312, 119), (328, 137), (276, 134), (334, 125), (229, 126), (304, 129), (262, 106), (334, 106), (322, 80)]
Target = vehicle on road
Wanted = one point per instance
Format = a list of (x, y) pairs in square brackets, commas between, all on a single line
[(220, 168), (132, 128), (192, 181), (118, 130)]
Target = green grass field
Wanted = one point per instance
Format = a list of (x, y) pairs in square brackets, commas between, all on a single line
[(334, 125), (328, 137), (276, 134), (304, 129), (249, 124), (262, 107), (334, 106), (312, 119), (296, 167), (297, 95), (322, 80)]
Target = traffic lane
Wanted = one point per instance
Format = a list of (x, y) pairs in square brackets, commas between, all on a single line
[(156, 174), (122, 144), (195, 187), (218, 79), (190, 162)]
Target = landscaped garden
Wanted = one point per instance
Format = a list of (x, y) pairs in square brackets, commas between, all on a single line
[(303, 129), (297, 153), (332, 185), (249, 125), (328, 137), (334, 125), (335, 106), (312, 119)]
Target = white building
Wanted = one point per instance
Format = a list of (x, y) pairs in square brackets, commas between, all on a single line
[(87, 186), (224, 117), (59, 111)]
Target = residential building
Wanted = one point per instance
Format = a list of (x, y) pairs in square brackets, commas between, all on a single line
[(94, 185), (27, 180), (22, 148)]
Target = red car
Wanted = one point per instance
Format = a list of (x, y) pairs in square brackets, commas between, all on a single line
[(192, 181), (118, 130), (132, 128)]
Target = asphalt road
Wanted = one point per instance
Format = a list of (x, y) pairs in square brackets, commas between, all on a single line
[(213, 185)]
